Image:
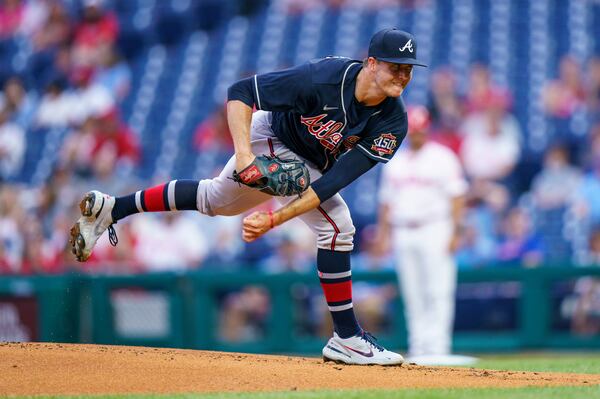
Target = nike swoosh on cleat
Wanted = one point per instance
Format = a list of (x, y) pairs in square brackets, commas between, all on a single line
[(370, 354), (337, 350)]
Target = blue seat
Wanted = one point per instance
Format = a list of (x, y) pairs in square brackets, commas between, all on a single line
[(550, 225), (173, 27)]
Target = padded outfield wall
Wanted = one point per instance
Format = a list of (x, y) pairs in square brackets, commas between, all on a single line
[(497, 310)]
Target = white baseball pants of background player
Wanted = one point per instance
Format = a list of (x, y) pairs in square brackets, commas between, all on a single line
[(427, 274), (331, 221)]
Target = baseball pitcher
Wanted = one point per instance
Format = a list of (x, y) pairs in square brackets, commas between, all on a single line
[(319, 126)]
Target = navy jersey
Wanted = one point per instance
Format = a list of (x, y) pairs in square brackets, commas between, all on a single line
[(316, 115)]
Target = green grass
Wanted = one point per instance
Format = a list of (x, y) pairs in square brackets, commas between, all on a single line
[(564, 363), (568, 363)]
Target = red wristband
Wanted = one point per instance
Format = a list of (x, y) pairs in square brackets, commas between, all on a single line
[(271, 219)]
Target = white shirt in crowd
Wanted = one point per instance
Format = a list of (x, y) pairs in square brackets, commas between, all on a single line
[(73, 106), (12, 149), (419, 185), (169, 246), (55, 110), (94, 100), (485, 155)]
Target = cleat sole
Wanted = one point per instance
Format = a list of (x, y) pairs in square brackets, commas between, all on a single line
[(341, 362), (77, 242), (87, 204), (336, 361)]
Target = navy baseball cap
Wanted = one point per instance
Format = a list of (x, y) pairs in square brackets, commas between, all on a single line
[(394, 45)]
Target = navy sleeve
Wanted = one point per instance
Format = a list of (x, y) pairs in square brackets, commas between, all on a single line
[(348, 168), (283, 91), (384, 135), (242, 90)]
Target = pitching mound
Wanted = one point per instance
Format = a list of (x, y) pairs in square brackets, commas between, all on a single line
[(63, 369)]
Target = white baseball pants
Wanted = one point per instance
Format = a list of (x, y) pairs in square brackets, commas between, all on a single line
[(427, 274), (331, 221)]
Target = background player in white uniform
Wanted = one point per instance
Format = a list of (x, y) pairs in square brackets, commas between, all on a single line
[(421, 202)]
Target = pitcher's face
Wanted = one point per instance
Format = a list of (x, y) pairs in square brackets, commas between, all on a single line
[(392, 78)]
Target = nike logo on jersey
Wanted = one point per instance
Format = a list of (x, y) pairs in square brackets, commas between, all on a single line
[(408, 46), (365, 354), (328, 108)]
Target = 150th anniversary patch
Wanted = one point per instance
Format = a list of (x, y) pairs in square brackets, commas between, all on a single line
[(384, 144)]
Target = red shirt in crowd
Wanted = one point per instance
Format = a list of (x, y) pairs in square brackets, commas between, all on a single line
[(11, 13), (93, 34), (124, 140)]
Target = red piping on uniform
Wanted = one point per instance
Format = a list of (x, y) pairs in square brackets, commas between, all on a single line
[(335, 228), (271, 147)]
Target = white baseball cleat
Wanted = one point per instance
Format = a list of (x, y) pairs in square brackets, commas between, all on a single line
[(359, 349), (96, 217)]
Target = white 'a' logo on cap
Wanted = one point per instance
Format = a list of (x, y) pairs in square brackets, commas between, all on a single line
[(408, 46)]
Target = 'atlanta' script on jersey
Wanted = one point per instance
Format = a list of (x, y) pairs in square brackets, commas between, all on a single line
[(326, 132)]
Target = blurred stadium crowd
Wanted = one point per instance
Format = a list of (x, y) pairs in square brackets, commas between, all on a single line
[(119, 95)]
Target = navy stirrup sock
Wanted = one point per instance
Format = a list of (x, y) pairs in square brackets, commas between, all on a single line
[(336, 281), (176, 195)]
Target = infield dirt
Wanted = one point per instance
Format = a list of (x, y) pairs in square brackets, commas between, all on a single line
[(67, 369)]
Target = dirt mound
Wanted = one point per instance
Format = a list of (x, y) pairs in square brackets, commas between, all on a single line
[(63, 369)]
